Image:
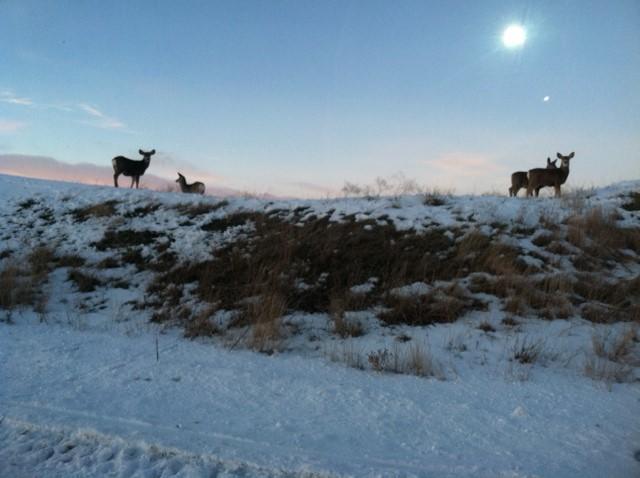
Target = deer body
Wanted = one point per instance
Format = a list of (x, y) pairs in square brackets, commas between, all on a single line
[(130, 167), (194, 188), (519, 179), (540, 178)]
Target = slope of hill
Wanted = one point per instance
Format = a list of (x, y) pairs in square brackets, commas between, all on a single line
[(148, 334)]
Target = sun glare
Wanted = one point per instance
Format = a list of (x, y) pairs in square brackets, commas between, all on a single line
[(514, 36)]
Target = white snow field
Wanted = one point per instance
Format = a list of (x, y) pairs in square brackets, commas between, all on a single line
[(89, 387)]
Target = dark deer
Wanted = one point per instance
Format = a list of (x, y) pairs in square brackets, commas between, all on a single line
[(519, 178), (130, 167), (195, 188), (541, 178)]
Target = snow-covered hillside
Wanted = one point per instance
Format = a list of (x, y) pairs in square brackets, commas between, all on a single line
[(400, 336)]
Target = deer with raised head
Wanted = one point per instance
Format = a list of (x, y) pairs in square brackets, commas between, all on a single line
[(541, 178), (130, 167), (194, 188), (519, 178)]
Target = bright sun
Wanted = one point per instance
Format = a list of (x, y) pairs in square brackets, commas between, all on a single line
[(514, 36)]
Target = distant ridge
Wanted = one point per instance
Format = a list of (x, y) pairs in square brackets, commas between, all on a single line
[(45, 167)]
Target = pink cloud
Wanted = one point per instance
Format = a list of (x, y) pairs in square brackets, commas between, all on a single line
[(43, 167), (465, 164), (10, 126)]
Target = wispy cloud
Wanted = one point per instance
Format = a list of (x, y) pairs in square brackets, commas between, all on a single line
[(7, 96), (91, 110), (100, 120), (10, 126), (97, 119)]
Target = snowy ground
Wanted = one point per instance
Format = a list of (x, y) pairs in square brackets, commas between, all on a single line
[(89, 388)]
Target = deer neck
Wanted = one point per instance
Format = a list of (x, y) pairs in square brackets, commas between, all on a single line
[(564, 174)]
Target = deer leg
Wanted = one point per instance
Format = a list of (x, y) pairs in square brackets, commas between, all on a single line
[(557, 191), (133, 178), (115, 179), (137, 181)]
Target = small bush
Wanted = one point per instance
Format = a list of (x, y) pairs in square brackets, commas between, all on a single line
[(486, 327), (121, 238), (84, 282), (70, 260), (634, 202), (527, 351)]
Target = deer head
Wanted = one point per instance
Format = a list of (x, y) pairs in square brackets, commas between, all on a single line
[(564, 160)]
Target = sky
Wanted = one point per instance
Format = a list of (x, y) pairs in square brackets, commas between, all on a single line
[(297, 97)]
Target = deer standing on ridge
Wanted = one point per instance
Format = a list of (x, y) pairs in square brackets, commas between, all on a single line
[(540, 178), (195, 188), (130, 167), (519, 178)]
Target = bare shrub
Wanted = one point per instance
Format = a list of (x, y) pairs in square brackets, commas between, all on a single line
[(434, 197), (380, 360), (486, 327), (527, 351)]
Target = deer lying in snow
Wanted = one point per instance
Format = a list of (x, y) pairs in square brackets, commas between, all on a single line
[(541, 178), (196, 188), (130, 167), (519, 178)]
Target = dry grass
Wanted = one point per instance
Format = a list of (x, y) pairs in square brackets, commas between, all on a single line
[(101, 210), (548, 297), (84, 282), (194, 210), (598, 234), (526, 350), (614, 356), (202, 325), (442, 305), (22, 284), (620, 347), (343, 326), (416, 359), (121, 238), (142, 211), (634, 202)]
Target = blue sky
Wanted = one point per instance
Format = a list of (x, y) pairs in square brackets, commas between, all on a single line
[(295, 97)]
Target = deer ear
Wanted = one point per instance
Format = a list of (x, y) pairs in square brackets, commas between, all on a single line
[(572, 154), (141, 152), (153, 151)]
